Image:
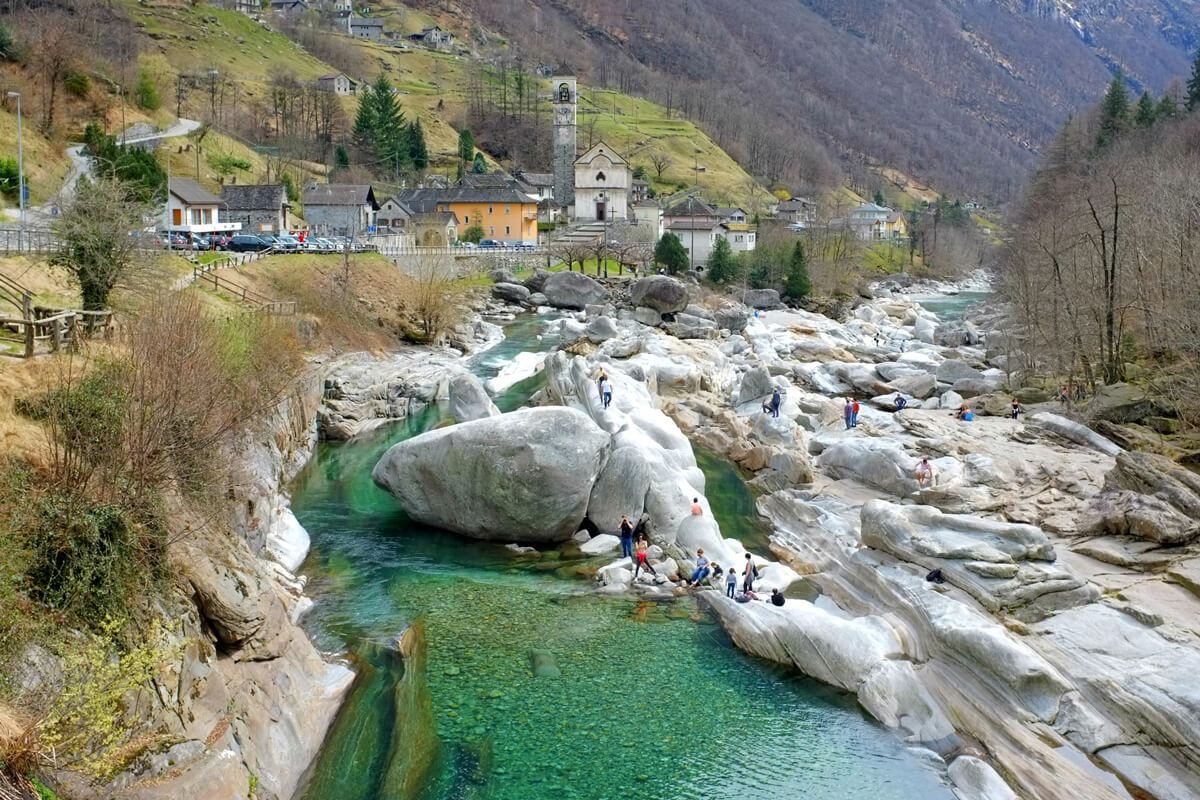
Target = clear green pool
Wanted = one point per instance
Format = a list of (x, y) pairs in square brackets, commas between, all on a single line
[(950, 307), (652, 702)]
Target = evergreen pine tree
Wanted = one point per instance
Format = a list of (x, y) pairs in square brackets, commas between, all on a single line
[(341, 157), (1193, 85), (722, 265), (1146, 112), (418, 151), (363, 133), (797, 285), (1114, 111), (466, 145), (878, 199), (670, 253), (390, 133), (1166, 107), (479, 166)]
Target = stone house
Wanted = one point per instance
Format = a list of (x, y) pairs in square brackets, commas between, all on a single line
[(338, 83), (340, 209), (433, 36), (259, 208), (798, 211), (602, 183), (365, 28), (394, 216), (289, 7)]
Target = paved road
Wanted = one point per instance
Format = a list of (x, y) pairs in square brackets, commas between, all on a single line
[(80, 166)]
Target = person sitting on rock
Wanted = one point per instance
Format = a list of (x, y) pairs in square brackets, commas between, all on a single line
[(964, 413), (924, 473), (900, 403), (642, 559), (772, 406), (702, 570), (697, 509), (776, 597)]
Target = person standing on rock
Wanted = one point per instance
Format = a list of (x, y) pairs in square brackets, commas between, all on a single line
[(731, 582), (642, 558), (1015, 409), (924, 473), (847, 411), (772, 406), (626, 533), (854, 408), (702, 570), (605, 391), (601, 379), (749, 575)]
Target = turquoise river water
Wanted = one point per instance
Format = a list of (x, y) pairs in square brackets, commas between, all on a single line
[(651, 700)]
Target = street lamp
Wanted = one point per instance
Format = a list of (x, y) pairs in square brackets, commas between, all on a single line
[(20, 170)]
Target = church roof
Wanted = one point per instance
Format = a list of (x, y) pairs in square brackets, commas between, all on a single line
[(601, 149)]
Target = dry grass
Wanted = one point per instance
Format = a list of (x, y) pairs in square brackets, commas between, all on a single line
[(18, 741), (21, 437)]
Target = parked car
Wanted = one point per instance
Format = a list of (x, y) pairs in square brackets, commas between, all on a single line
[(245, 243), (490, 244)]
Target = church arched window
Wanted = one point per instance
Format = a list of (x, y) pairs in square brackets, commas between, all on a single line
[(564, 93), (600, 176)]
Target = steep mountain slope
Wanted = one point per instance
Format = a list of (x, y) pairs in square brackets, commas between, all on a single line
[(959, 92)]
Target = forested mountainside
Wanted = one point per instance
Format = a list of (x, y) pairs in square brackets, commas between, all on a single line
[(962, 93)]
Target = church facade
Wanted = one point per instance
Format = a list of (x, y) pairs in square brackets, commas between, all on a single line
[(602, 183)]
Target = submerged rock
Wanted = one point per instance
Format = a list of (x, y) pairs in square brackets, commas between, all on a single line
[(543, 664), (524, 476)]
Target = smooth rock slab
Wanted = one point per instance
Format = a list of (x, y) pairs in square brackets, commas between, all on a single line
[(573, 290), (524, 476), (661, 293)]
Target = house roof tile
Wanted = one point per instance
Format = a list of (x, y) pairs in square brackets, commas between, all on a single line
[(193, 193), (338, 194), (254, 197)]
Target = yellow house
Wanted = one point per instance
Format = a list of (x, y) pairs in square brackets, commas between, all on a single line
[(895, 227), (503, 212)]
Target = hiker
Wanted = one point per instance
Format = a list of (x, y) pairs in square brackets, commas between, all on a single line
[(854, 414), (900, 403), (1015, 409), (731, 582), (642, 560), (924, 473), (772, 406), (1063, 396), (749, 575), (877, 340), (601, 379), (1080, 393), (847, 411), (901, 345), (697, 509), (776, 597), (702, 570), (605, 391), (626, 537)]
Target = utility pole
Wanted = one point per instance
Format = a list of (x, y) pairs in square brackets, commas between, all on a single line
[(212, 95), (20, 173), (167, 146)]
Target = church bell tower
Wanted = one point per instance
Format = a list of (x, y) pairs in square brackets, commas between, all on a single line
[(565, 101)]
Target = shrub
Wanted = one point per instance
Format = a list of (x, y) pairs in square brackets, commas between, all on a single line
[(723, 267), (473, 234), (226, 164), (9, 177), (77, 84), (145, 94), (670, 253)]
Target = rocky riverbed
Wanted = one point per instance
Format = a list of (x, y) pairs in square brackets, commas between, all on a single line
[(1052, 655)]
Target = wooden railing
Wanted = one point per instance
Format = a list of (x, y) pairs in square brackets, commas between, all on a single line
[(247, 296), (56, 327)]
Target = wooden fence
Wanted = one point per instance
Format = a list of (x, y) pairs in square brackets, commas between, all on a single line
[(56, 328), (247, 296)]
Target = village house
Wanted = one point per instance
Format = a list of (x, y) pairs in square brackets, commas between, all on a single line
[(260, 208), (289, 7), (732, 214), (250, 8), (649, 215), (602, 183), (193, 209), (340, 209), (338, 83), (740, 235), (896, 226), (433, 36), (639, 191), (503, 212), (365, 28), (435, 229), (798, 211), (697, 224), (394, 216), (538, 185)]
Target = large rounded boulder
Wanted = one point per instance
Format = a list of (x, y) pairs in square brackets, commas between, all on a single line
[(665, 295), (525, 476), (573, 290)]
